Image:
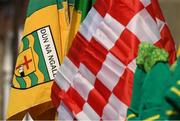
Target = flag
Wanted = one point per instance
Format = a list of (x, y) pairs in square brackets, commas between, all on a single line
[(81, 8), (95, 81), (40, 55), (71, 7), (55, 90)]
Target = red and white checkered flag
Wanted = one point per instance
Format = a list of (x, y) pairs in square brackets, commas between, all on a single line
[(95, 81)]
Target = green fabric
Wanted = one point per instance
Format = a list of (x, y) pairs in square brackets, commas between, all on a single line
[(173, 66), (172, 96), (136, 95), (152, 79), (176, 75), (149, 90), (83, 6), (71, 2), (157, 80), (148, 55), (59, 4), (35, 5)]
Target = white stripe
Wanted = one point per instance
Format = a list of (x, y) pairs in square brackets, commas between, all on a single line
[(64, 114), (132, 66), (90, 24), (109, 113), (86, 73), (119, 106), (89, 111), (116, 27), (144, 27), (82, 86), (103, 39), (160, 24), (111, 71), (62, 81), (108, 32), (68, 69), (65, 74), (82, 117), (146, 2)]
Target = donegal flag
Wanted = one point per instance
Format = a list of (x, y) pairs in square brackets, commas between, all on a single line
[(63, 23), (40, 55), (71, 7)]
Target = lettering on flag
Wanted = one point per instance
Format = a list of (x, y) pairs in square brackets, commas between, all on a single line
[(49, 51), (37, 61)]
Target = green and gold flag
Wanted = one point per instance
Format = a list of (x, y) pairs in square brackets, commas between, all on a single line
[(78, 14), (40, 54)]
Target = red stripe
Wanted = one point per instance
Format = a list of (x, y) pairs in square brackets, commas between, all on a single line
[(54, 94), (157, 10), (69, 102), (94, 56), (96, 101), (77, 48), (124, 10), (71, 99), (77, 98), (123, 89), (102, 6), (126, 47), (150, 10), (167, 43), (102, 89)]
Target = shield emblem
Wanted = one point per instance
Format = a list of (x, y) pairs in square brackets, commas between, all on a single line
[(25, 63)]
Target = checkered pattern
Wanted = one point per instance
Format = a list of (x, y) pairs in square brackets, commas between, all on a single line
[(95, 81)]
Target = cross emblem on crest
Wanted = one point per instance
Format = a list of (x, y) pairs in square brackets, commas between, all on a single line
[(26, 63)]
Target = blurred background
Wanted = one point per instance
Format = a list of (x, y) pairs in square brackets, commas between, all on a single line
[(12, 17)]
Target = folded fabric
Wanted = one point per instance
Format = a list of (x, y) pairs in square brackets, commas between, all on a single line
[(153, 104), (173, 94), (133, 110), (151, 81)]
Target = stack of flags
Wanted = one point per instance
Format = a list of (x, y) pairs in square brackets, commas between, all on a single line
[(89, 49)]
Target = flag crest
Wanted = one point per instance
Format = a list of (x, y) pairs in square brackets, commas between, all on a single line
[(37, 61)]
